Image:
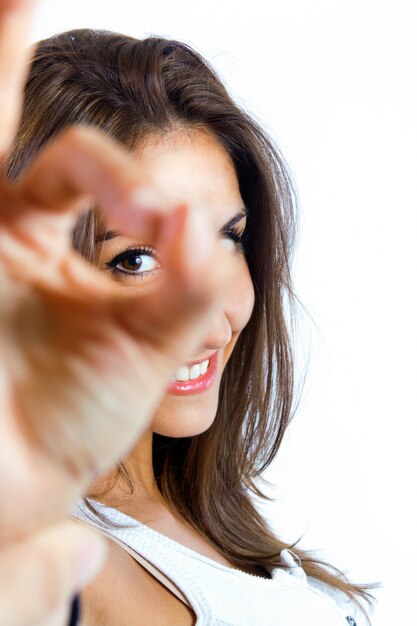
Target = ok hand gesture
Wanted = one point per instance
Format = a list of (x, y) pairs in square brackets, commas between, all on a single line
[(84, 362)]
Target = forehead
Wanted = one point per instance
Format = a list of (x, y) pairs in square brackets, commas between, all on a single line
[(190, 167)]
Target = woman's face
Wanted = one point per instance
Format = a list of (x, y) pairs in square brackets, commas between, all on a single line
[(192, 168)]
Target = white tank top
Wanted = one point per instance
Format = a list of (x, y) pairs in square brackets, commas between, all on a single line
[(223, 596)]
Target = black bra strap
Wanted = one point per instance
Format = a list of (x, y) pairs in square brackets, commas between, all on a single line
[(75, 612)]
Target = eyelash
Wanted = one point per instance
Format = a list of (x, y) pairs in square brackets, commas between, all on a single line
[(238, 237)]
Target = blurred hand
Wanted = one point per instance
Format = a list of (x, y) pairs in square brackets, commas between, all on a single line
[(84, 362), (40, 572)]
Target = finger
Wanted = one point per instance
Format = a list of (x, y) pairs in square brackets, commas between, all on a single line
[(41, 574), (15, 21), (78, 168), (84, 165), (197, 272)]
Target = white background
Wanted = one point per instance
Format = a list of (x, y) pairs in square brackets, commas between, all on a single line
[(335, 83)]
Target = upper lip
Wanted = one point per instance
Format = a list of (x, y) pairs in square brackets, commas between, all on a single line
[(206, 358)]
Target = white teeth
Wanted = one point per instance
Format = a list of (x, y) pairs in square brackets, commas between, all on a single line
[(182, 373), (194, 372), (185, 373)]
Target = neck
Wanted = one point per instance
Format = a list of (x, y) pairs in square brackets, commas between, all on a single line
[(137, 494)]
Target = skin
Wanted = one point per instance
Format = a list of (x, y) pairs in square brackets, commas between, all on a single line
[(85, 362), (196, 168)]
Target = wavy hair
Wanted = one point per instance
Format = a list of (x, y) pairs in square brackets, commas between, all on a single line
[(131, 89)]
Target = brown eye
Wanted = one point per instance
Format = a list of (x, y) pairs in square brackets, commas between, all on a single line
[(134, 263)]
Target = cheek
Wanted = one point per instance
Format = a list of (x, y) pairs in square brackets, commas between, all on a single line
[(187, 417)]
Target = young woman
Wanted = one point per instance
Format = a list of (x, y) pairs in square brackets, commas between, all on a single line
[(186, 543)]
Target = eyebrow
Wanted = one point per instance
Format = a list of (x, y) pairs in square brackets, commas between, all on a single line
[(111, 234)]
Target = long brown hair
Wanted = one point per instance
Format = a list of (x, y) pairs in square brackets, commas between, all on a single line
[(130, 89)]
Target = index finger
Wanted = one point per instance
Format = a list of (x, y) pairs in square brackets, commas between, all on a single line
[(15, 21)]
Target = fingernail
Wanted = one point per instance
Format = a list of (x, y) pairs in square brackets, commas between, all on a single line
[(144, 206), (199, 239), (137, 216), (91, 555), (146, 198)]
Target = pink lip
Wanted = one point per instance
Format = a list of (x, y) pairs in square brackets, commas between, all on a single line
[(186, 387)]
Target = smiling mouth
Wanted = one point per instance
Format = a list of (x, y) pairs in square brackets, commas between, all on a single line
[(194, 378), (197, 370)]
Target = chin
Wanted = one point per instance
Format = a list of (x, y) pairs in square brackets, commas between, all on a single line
[(184, 430), (184, 417)]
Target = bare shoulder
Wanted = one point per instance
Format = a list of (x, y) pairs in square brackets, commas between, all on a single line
[(108, 599), (125, 594)]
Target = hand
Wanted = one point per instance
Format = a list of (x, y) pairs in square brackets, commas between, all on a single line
[(84, 362), (40, 573)]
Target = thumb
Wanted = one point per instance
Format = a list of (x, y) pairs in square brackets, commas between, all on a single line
[(41, 573), (198, 269)]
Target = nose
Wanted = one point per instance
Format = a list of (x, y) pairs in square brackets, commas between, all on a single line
[(219, 333)]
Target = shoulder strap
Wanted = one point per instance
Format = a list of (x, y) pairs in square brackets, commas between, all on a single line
[(167, 582)]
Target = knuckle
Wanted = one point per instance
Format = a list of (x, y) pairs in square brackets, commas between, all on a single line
[(79, 135), (72, 136)]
